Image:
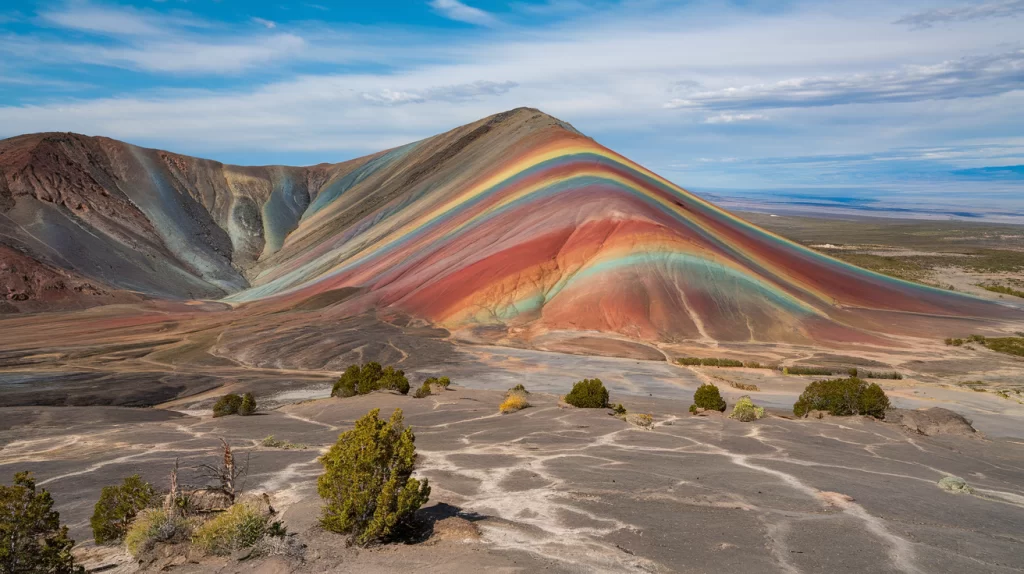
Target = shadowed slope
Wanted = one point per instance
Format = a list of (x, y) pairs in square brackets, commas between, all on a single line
[(516, 221)]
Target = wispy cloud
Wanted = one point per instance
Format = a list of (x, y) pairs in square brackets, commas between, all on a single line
[(964, 78), (455, 93), (724, 118), (928, 18), (268, 24), (455, 10), (120, 21)]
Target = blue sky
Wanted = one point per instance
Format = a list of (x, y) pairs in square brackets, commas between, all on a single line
[(860, 105)]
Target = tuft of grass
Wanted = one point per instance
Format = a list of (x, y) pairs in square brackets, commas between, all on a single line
[(238, 527), (884, 375), (154, 525), (513, 402), (641, 420), (271, 442)]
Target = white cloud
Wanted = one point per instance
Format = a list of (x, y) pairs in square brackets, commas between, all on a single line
[(120, 21), (990, 10), (455, 10), (724, 118), (965, 78), (268, 24)]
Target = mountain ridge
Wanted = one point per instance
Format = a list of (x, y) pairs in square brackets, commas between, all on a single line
[(516, 222)]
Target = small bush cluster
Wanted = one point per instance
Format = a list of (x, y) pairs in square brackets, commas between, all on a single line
[(893, 375), (708, 397), (799, 370), (368, 378), (117, 508), (843, 397), (240, 526), (746, 411), (232, 404), (619, 410), (709, 362), (367, 484), (32, 539), (588, 394), (519, 388)]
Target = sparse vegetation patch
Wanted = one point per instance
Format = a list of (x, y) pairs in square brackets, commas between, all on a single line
[(1002, 289)]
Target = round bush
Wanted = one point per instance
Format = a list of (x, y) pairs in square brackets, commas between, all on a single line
[(227, 405), (588, 394), (248, 405), (117, 507), (842, 397), (367, 484), (708, 398)]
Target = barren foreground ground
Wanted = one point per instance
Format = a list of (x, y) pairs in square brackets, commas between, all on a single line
[(574, 490)]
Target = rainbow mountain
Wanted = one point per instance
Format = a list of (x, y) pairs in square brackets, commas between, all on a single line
[(516, 224)]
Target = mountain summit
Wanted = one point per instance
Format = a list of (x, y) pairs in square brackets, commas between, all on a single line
[(516, 224)]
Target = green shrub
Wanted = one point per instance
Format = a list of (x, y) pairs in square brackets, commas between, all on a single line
[(955, 342), (394, 379), (873, 401), (32, 538), (443, 382), (689, 361), (588, 394), (708, 397), (370, 377), (153, 525), (619, 410), (248, 405), (346, 384), (746, 411), (117, 507), (240, 526), (423, 391), (227, 405), (693, 409), (367, 484), (843, 397), (852, 371)]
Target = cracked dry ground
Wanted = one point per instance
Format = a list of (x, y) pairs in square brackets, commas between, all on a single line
[(577, 490)]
